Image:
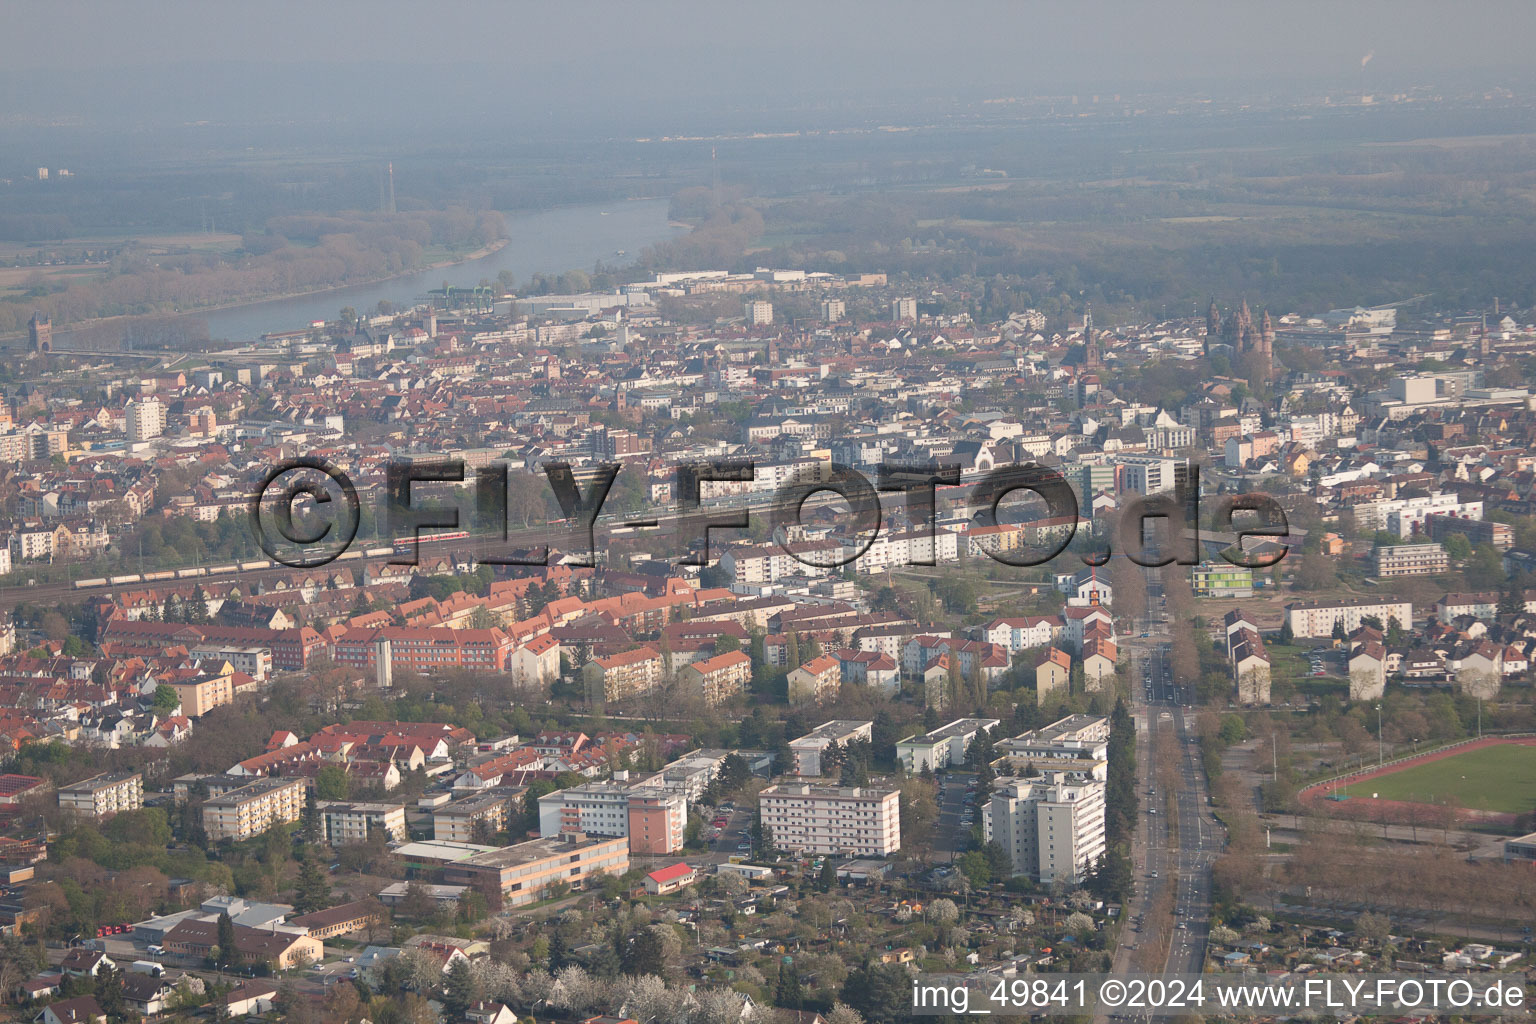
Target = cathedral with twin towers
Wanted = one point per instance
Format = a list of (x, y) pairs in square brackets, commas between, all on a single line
[(1245, 338)]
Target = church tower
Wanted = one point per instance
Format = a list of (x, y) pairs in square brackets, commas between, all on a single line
[(1246, 341), (1267, 345), (1212, 325), (1090, 343)]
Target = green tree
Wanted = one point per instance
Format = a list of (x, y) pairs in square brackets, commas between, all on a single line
[(646, 953), (311, 827), (881, 992), (1485, 570), (165, 699), (332, 783), (974, 865), (226, 953), (313, 891), (1457, 547), (826, 881), (761, 837), (461, 990), (788, 992), (197, 608), (734, 774)]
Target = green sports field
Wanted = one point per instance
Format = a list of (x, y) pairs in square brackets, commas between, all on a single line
[(1500, 778)]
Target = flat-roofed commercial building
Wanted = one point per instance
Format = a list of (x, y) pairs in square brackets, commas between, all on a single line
[(253, 808), (1220, 579), (102, 796), (526, 872), (1523, 848), (861, 821)]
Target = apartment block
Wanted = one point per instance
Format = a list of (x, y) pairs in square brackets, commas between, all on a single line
[(808, 748), (201, 695), (1477, 531), (426, 648), (942, 747), (622, 676), (1051, 826), (484, 814), (1409, 560), (102, 796), (718, 679), (145, 419), (347, 823), (816, 681), (250, 810), (1317, 618), (1077, 745), (648, 812), (847, 821)]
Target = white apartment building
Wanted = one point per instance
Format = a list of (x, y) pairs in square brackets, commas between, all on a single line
[(942, 747), (1407, 521), (619, 807), (1409, 560), (1146, 474), (102, 796), (255, 662), (908, 547), (856, 821), (252, 809), (1370, 516), (904, 308), (807, 749), (145, 418), (1077, 745), (758, 313), (1052, 826), (1024, 632), (347, 823), (1317, 618)]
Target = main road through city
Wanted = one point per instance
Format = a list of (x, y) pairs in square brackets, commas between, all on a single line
[(1177, 838)]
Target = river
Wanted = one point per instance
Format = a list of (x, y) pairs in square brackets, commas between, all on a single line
[(550, 242)]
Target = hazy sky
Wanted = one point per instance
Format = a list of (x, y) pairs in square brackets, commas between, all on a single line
[(926, 39), (192, 59)]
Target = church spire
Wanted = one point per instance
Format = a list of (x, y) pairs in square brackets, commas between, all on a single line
[(1090, 344)]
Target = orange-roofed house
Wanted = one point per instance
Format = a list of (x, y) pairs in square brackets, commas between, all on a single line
[(1053, 673), (816, 681), (623, 675), (725, 675), (1099, 662), (670, 880), (536, 662)]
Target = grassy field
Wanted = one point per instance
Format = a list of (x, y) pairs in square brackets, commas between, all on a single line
[(1495, 778)]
